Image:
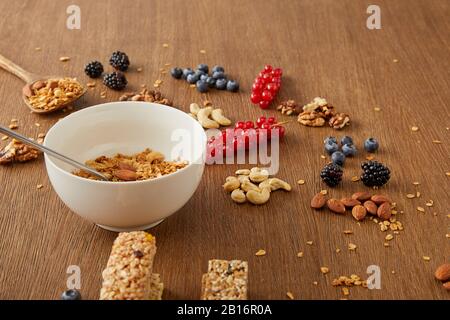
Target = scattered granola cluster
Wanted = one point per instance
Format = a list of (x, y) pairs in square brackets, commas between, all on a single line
[(345, 282), (16, 151), (147, 96), (289, 107), (53, 93), (318, 112), (145, 165)]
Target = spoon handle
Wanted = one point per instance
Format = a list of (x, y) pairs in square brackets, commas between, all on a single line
[(52, 153), (10, 66)]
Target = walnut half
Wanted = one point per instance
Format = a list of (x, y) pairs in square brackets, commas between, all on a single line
[(339, 121), (311, 119), (17, 151)]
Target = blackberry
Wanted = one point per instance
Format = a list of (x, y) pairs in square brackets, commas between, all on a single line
[(119, 60), (115, 80), (375, 174), (93, 69), (331, 174)]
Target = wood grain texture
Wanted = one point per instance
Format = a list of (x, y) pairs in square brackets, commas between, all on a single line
[(325, 50)]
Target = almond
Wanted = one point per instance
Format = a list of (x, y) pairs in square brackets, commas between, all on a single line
[(318, 201), (443, 272), (350, 202), (384, 211), (126, 175), (371, 207), (126, 166), (336, 206), (38, 85), (26, 90), (359, 212), (361, 196), (447, 285), (379, 199)]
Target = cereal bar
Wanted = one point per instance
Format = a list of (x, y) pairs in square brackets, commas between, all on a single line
[(128, 274), (225, 280)]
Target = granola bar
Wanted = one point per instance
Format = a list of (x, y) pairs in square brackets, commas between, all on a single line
[(225, 280), (128, 274)]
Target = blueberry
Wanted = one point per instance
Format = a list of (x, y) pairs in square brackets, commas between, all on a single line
[(192, 78), (346, 140), (219, 75), (371, 145), (349, 150), (217, 69), (221, 84), (187, 72), (176, 72), (202, 86), (331, 147), (232, 86), (211, 82), (204, 76), (338, 158), (203, 67), (330, 139), (71, 294)]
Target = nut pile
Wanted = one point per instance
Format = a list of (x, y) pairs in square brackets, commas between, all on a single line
[(145, 165), (17, 151), (209, 117), (361, 204), (318, 112), (254, 186), (146, 96), (53, 93)]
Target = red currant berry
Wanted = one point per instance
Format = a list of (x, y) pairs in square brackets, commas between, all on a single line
[(255, 97), (264, 104), (268, 68), (249, 125), (259, 80), (272, 87), (240, 125), (271, 120), (278, 72), (257, 87), (267, 95), (276, 80), (267, 77), (260, 121)]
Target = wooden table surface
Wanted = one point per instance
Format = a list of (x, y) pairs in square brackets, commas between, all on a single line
[(325, 50)]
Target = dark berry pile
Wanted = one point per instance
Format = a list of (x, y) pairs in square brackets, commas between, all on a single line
[(331, 174), (375, 174), (205, 80), (244, 134), (93, 69), (119, 60), (115, 80), (266, 86)]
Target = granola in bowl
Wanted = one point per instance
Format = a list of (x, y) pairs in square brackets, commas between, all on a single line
[(144, 165)]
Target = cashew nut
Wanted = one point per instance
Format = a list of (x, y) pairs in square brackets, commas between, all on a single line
[(275, 184), (231, 184), (238, 196), (244, 172), (247, 186), (205, 121), (217, 115), (258, 197), (258, 174), (243, 178), (194, 108)]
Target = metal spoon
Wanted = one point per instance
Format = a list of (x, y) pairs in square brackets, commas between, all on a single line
[(52, 153), (31, 78)]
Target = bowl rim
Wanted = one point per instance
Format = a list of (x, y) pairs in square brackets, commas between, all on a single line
[(48, 159)]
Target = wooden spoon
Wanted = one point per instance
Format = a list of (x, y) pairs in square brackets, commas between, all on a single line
[(30, 79)]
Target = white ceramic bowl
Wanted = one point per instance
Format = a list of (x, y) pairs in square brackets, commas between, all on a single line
[(127, 128)]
